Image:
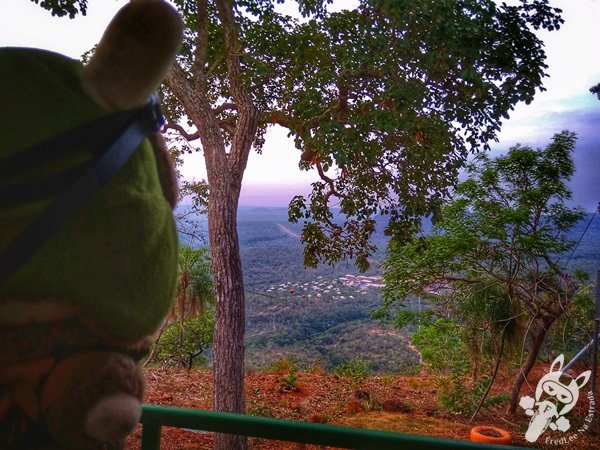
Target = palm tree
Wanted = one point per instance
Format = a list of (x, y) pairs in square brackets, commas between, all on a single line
[(195, 288), (194, 295)]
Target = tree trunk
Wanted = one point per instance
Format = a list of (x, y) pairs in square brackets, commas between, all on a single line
[(228, 345), (539, 334), (225, 170), (494, 374), (180, 361), (155, 343)]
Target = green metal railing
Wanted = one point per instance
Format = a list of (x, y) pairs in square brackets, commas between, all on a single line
[(154, 417)]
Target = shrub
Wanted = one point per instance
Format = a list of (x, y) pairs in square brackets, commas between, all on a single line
[(456, 396), (444, 351), (441, 347), (356, 369), (283, 364), (185, 347), (289, 380)]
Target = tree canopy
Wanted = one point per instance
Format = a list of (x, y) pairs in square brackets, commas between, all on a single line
[(62, 8), (502, 234), (384, 101)]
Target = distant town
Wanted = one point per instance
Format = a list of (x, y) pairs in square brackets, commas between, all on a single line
[(362, 281), (322, 286)]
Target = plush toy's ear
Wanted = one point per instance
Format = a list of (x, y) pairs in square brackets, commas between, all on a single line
[(131, 61), (133, 55)]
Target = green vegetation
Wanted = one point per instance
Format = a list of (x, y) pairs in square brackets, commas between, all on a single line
[(286, 364), (188, 330), (460, 397), (575, 328), (326, 332), (289, 379), (445, 352), (442, 347), (172, 350), (492, 263), (321, 331), (355, 369), (387, 123), (63, 7)]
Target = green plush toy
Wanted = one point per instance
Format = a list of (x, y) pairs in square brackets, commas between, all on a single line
[(78, 313)]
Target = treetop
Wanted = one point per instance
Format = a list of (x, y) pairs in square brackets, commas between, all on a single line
[(385, 101)]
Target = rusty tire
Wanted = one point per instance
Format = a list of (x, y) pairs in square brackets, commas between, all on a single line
[(490, 435)]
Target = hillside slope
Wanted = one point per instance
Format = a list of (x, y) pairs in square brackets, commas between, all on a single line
[(406, 404)]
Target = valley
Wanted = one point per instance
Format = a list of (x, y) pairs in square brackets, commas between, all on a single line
[(321, 317)]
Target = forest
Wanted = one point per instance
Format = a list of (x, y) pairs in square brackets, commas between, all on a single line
[(327, 330)]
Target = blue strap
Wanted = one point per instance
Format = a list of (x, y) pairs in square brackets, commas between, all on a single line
[(24, 192), (56, 147), (81, 191)]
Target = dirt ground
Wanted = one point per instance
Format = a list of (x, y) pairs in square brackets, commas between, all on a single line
[(406, 404)]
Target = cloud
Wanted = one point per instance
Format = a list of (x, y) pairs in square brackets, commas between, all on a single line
[(537, 128)]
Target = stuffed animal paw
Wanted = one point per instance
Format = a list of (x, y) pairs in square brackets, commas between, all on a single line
[(88, 244)]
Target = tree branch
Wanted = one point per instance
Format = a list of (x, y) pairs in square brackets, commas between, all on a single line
[(195, 103), (201, 38), (224, 107), (187, 136), (282, 119), (326, 179), (247, 122), (233, 46), (228, 126)]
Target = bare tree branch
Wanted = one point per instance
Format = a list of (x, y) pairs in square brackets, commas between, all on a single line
[(187, 136), (282, 119), (224, 107), (248, 114)]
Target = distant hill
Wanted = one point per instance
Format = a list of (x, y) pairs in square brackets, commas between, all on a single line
[(586, 256)]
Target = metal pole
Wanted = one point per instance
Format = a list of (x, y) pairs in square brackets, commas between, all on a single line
[(596, 321), (303, 432), (584, 351)]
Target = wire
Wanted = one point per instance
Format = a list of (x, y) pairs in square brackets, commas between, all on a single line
[(264, 295), (582, 235)]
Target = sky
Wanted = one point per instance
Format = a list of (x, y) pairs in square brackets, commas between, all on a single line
[(273, 178)]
